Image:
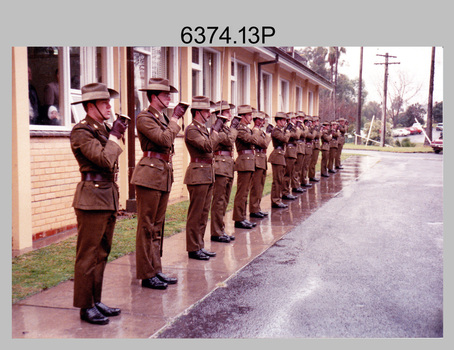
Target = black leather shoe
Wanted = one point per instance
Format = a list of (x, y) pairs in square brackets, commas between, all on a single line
[(221, 239), (257, 215), (314, 180), (198, 255), (280, 205), (306, 185), (332, 171), (339, 167), (166, 279), (154, 283), (325, 175), (92, 315), (242, 224), (253, 224), (206, 252), (289, 196), (107, 311), (264, 213), (299, 190)]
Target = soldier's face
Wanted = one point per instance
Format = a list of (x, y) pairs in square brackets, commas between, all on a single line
[(164, 98), (103, 111), (227, 113)]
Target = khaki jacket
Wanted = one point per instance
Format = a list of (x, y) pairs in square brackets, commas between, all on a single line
[(342, 131), (326, 138), (300, 143), (262, 142), (200, 145), (291, 149), (245, 141), (279, 138), (157, 134), (96, 152), (223, 164), (317, 135), (309, 140), (334, 142)]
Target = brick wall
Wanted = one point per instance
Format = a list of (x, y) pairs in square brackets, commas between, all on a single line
[(54, 176)]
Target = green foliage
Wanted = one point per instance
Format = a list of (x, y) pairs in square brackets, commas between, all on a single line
[(407, 118), (405, 143), (437, 112)]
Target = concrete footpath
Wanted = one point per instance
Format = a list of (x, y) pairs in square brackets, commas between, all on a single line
[(145, 312)]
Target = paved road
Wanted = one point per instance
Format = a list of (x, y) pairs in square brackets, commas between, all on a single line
[(367, 264)]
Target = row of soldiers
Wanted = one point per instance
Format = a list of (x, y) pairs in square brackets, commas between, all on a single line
[(296, 139)]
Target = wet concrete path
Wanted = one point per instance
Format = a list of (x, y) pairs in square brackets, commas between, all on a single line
[(151, 313)]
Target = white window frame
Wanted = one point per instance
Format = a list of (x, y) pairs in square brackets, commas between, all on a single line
[(198, 67), (247, 87), (284, 88), (299, 98), (266, 98), (310, 102)]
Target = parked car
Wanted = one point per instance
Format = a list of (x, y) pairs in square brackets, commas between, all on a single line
[(416, 128), (437, 145), (439, 127), (400, 132)]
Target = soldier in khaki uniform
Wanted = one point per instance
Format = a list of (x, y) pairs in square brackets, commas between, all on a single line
[(223, 171), (325, 139), (96, 148), (343, 126), (259, 176), (244, 166), (300, 152), (315, 149), (153, 178), (280, 137), (290, 158), (333, 145), (309, 146), (199, 177)]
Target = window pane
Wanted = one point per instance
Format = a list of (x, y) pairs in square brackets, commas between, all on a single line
[(195, 55), (209, 75), (44, 88)]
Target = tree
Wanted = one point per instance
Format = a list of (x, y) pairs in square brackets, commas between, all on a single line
[(437, 112), (415, 111)]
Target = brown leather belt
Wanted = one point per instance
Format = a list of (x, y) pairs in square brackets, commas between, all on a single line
[(246, 151), (223, 153), (291, 144), (260, 150), (278, 147), (163, 156), (91, 176), (202, 160)]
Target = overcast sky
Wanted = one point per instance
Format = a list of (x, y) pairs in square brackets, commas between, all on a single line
[(414, 65)]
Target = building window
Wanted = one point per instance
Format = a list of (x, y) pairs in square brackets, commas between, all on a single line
[(311, 103), (56, 75), (265, 93), (154, 62), (240, 83), (284, 96), (205, 73), (299, 99)]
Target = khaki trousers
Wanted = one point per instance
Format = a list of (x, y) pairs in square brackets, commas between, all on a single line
[(298, 172), (288, 174), (243, 185), (151, 210), (276, 187), (95, 230), (324, 163), (221, 196), (337, 162), (200, 197), (307, 160), (313, 163), (332, 157), (256, 192)]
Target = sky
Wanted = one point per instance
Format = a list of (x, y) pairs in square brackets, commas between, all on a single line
[(414, 65)]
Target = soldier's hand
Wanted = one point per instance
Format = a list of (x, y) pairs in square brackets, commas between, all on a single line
[(299, 124), (179, 110), (269, 128), (289, 127), (218, 125), (235, 122), (118, 128)]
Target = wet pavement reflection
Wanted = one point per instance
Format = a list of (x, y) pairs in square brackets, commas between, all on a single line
[(50, 314)]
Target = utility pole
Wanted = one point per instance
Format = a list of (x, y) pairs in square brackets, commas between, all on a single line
[(429, 105), (360, 88), (385, 91)]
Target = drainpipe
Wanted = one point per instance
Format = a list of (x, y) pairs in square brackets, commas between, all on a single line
[(259, 80), (131, 205)]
